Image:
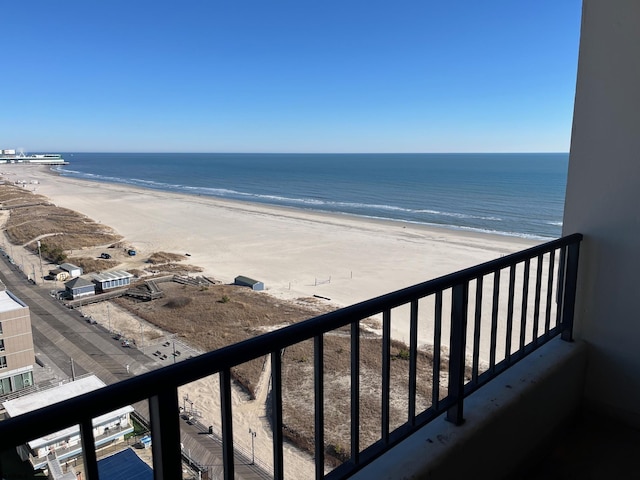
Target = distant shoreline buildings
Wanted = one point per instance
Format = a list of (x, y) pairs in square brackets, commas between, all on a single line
[(11, 156)]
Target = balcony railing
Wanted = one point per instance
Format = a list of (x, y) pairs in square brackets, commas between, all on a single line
[(485, 318)]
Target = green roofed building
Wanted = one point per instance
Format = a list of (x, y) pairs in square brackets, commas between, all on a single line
[(249, 282)]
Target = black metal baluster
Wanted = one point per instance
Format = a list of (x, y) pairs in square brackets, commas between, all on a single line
[(276, 394), (355, 392), (547, 317), (386, 374), (512, 282), (227, 424), (165, 434), (494, 320), (413, 359), (525, 304), (318, 364), (89, 449), (476, 331), (571, 282), (437, 346), (459, 303), (562, 267), (536, 311)]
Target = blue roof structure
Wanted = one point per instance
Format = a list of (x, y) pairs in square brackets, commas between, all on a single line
[(125, 465)]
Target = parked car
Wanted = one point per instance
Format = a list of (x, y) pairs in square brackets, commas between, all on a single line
[(105, 256), (131, 252)]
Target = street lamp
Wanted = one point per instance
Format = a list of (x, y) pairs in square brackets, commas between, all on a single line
[(253, 452)]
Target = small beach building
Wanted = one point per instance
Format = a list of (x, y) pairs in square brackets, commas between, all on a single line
[(108, 429), (79, 287), (249, 282), (108, 280), (73, 270)]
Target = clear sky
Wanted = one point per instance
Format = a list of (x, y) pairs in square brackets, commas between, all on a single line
[(288, 75)]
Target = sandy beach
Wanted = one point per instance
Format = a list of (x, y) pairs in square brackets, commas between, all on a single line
[(296, 253)]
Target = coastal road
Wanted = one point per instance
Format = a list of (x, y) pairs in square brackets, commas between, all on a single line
[(66, 344), (61, 334)]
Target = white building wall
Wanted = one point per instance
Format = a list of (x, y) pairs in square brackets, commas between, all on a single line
[(603, 202)]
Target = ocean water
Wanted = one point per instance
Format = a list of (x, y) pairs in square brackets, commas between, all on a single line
[(510, 194)]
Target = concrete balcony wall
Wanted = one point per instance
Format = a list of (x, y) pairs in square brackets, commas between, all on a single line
[(602, 201), (507, 422)]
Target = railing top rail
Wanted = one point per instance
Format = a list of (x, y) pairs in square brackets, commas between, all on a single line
[(139, 388)]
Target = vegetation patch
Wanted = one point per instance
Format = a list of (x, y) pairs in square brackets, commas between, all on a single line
[(222, 315), (178, 302), (59, 230), (210, 321), (50, 253), (14, 196), (174, 268), (165, 257), (90, 264)]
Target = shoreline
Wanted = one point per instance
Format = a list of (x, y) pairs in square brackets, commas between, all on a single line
[(296, 252), (241, 196), (249, 205)]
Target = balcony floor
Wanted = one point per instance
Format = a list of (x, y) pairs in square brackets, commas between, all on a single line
[(593, 448)]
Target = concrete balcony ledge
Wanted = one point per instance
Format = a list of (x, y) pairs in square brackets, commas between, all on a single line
[(506, 422)]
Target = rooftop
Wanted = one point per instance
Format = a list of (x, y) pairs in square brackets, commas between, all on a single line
[(8, 302), (35, 401), (107, 276)]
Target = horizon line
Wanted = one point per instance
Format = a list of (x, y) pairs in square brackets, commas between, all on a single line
[(315, 153)]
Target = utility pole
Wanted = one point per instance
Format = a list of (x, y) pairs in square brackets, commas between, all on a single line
[(40, 255)]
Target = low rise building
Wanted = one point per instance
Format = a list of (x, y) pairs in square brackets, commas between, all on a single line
[(79, 287), (73, 270), (249, 282), (108, 280), (108, 429)]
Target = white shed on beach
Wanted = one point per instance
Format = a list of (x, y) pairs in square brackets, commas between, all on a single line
[(249, 282), (73, 270)]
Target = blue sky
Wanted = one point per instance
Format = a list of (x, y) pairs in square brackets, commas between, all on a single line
[(288, 76)]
